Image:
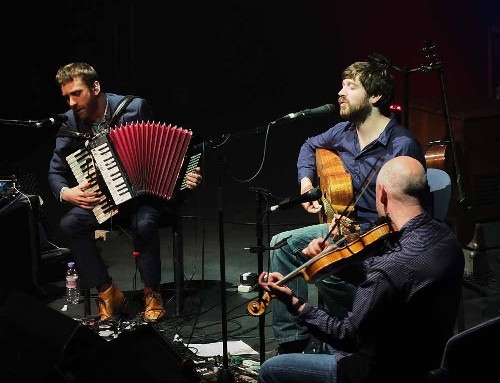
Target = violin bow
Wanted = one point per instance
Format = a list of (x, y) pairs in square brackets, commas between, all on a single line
[(354, 200)]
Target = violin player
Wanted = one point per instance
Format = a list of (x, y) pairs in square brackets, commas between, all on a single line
[(403, 311), (369, 136)]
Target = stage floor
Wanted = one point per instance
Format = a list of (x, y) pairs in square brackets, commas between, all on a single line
[(201, 319)]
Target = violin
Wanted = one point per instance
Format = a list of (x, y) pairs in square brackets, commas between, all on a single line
[(329, 260)]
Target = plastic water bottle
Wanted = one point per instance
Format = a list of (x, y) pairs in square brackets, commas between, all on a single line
[(72, 284)]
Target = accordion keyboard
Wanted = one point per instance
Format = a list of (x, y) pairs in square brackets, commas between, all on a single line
[(83, 169), (191, 166), (111, 173)]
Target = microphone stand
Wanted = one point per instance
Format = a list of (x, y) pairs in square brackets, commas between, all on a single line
[(17, 122), (406, 90), (259, 248), (384, 61), (224, 375)]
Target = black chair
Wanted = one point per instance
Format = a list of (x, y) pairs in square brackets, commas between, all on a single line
[(174, 221), (470, 356)]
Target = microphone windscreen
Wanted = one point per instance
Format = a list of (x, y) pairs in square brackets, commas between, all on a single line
[(313, 195)]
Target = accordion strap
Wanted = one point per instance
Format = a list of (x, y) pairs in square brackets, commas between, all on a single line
[(120, 108)]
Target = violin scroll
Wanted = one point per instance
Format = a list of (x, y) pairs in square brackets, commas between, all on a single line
[(258, 307)]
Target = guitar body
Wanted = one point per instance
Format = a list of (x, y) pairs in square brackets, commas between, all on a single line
[(335, 183), (438, 155)]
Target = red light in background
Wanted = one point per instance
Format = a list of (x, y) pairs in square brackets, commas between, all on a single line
[(396, 107)]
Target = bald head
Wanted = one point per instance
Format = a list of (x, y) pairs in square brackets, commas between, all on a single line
[(404, 179)]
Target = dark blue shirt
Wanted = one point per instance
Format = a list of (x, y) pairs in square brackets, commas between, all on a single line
[(404, 309), (342, 138)]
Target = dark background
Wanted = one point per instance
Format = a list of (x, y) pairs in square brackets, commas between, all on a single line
[(228, 67)]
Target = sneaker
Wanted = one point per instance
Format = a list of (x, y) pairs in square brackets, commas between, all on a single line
[(153, 305), (111, 302)]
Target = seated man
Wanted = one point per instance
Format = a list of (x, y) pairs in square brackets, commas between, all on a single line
[(90, 113), (403, 311), (369, 137)]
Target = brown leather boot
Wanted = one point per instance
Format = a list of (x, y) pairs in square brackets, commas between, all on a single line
[(111, 302), (153, 305)]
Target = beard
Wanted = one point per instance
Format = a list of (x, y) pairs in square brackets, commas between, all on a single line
[(357, 114), (91, 106)]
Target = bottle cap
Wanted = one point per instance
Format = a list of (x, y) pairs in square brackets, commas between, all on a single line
[(71, 264)]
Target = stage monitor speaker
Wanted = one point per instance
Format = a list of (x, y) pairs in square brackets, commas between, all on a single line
[(138, 355), (36, 338)]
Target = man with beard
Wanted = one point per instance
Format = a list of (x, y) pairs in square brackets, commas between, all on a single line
[(90, 113), (370, 136)]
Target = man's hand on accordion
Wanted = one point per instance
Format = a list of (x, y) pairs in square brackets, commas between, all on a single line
[(81, 195), (193, 179)]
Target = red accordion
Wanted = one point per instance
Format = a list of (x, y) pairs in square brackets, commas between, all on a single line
[(135, 159)]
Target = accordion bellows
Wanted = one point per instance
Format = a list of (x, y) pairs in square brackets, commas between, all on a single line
[(152, 155), (142, 158)]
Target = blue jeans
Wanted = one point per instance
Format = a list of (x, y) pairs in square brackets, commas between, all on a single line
[(337, 294), (143, 216), (310, 368)]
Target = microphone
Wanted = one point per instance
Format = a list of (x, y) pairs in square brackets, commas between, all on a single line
[(320, 110), (308, 196), (52, 121)]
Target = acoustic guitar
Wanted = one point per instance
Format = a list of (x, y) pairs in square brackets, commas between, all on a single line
[(335, 184)]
